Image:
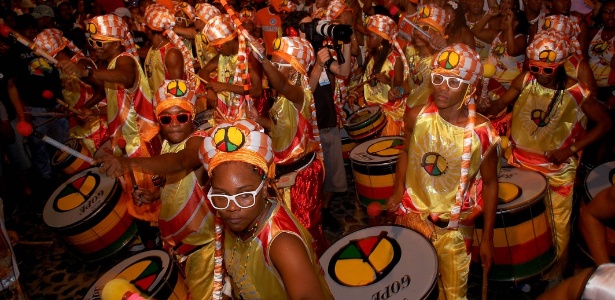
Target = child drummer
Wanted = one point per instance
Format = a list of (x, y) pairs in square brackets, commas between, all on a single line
[(185, 220), (451, 153)]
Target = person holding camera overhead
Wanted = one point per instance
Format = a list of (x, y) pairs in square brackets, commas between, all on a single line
[(386, 72), (294, 131)]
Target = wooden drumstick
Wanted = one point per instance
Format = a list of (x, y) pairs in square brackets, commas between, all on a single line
[(35, 243), (121, 143), (7, 31), (47, 94), (197, 76)]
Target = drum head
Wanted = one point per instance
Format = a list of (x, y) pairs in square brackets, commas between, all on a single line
[(104, 149), (60, 156), (201, 121), (371, 262), (78, 198), (378, 151), (363, 115), (531, 185), (600, 178), (147, 271)]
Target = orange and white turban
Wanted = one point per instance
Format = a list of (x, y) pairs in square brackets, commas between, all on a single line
[(188, 10), (386, 28), (175, 93), (247, 14), (243, 141), (335, 8), (568, 26), (433, 16), (53, 41), (111, 28), (550, 47), (219, 30), (160, 18), (295, 50), (458, 60), (206, 11)]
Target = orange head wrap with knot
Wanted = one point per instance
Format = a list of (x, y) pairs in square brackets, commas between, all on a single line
[(175, 93), (111, 28), (53, 41)]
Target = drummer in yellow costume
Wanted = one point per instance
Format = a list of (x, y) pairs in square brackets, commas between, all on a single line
[(204, 52), (168, 58), (386, 71), (294, 131), (267, 252), (185, 221), (447, 174), (130, 111), (420, 54), (236, 68), (92, 131), (548, 128)]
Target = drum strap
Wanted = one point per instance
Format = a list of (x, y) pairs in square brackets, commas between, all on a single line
[(294, 167), (181, 252)]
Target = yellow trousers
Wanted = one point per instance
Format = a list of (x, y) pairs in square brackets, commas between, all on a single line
[(199, 272), (559, 214)]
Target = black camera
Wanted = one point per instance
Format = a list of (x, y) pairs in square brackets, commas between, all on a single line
[(317, 30)]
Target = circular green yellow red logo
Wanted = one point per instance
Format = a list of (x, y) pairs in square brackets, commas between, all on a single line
[(91, 28), (229, 139), (547, 56), (448, 60), (177, 88)]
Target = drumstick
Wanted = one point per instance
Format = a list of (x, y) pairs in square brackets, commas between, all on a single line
[(35, 243), (47, 94), (121, 143), (7, 31), (62, 147), (197, 76), (46, 114)]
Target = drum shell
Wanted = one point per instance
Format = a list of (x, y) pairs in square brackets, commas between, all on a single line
[(104, 149), (370, 127), (374, 176), (597, 180), (68, 164), (522, 237), (168, 284), (201, 120), (418, 260), (101, 231), (347, 145)]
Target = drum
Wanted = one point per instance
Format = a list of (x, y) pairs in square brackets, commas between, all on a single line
[(599, 179), (68, 164), (152, 272), (522, 236), (382, 262), (104, 149), (201, 121), (365, 123), (89, 212), (347, 145), (373, 167)]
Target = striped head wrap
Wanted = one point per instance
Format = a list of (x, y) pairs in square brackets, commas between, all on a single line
[(550, 47), (219, 30), (568, 26), (297, 51), (175, 93), (461, 61), (243, 141), (53, 41), (187, 9), (205, 12), (300, 54), (386, 28), (433, 16), (111, 28), (159, 18), (335, 8)]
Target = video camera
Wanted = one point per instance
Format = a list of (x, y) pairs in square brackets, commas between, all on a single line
[(317, 30)]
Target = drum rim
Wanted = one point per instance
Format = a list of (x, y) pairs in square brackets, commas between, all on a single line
[(373, 141), (371, 131), (359, 125), (69, 159), (110, 141), (431, 247), (588, 194), (530, 201), (141, 255)]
